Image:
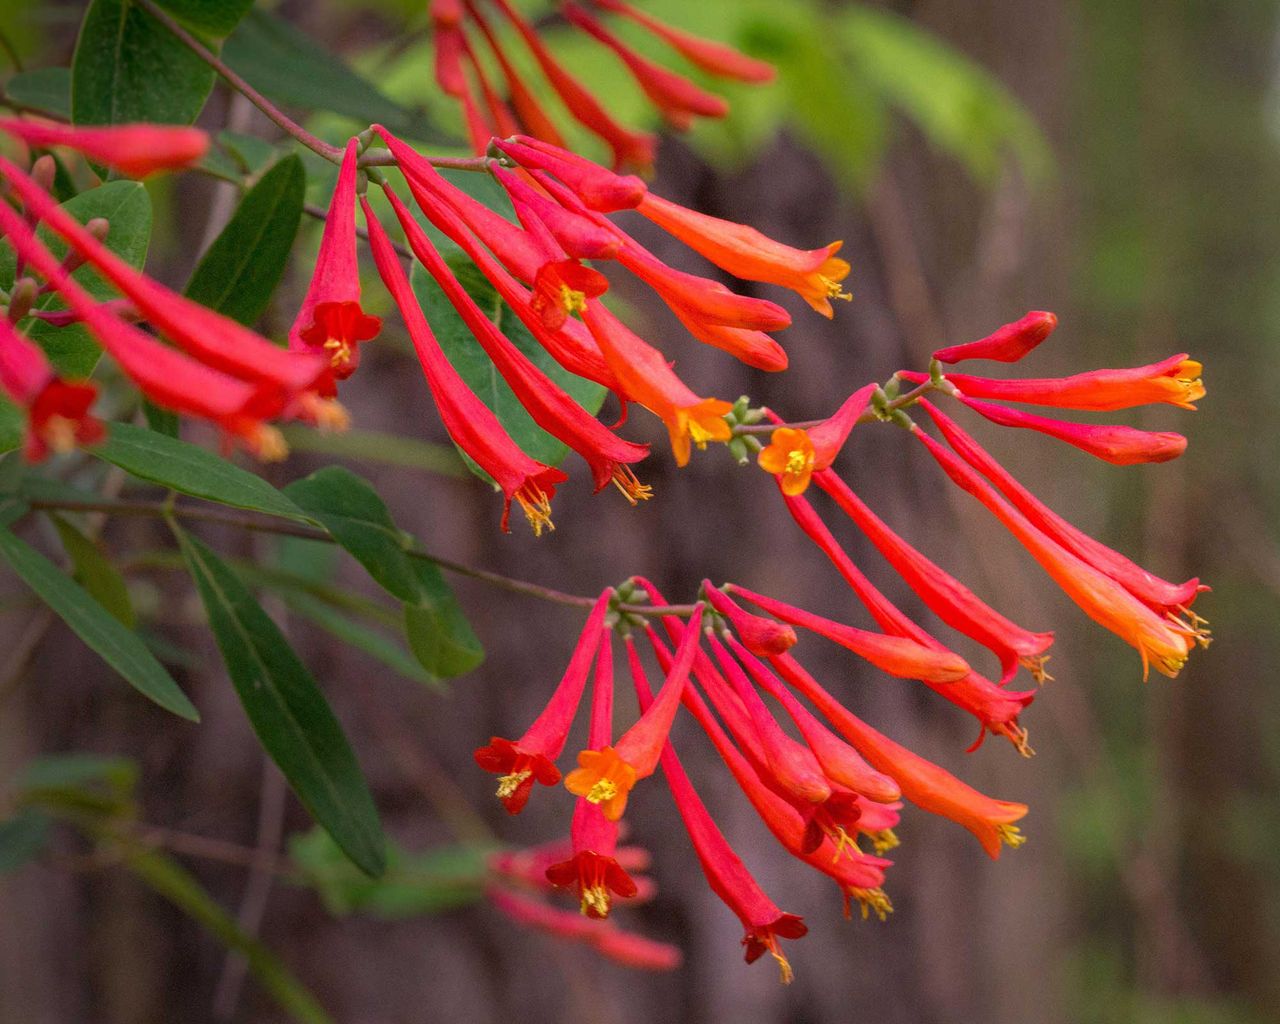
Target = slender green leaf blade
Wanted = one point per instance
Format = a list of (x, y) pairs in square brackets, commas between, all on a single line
[(243, 266), (129, 67), (117, 646), (43, 90), (94, 572), (350, 509), (190, 469), (217, 17), (439, 634), (287, 710), (375, 446)]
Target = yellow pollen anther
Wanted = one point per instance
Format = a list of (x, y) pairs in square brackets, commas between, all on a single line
[(843, 842), (573, 300), (269, 445), (699, 434), (884, 840), (873, 901), (784, 965), (537, 508), (797, 461), (835, 290), (1011, 836), (59, 433), (632, 489), (339, 352), (595, 901), (604, 789), (1036, 667), (508, 784)]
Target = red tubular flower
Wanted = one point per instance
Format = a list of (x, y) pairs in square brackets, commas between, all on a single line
[(643, 375), (755, 348), (949, 599), (900, 656), (715, 58), (1175, 380), (1156, 592), (214, 339), (1007, 345), (677, 98), (57, 410), (995, 708), (532, 757), (473, 425), (135, 150), (501, 119), (606, 775), (580, 238), (331, 319), (562, 288), (814, 275), (923, 783), (1114, 443), (760, 635), (728, 877), (527, 108), (1164, 641), (794, 455), (599, 189), (551, 406), (630, 149)]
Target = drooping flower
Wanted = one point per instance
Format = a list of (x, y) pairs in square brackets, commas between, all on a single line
[(531, 758), (762, 636), (815, 275), (474, 427), (58, 417), (562, 288), (135, 150), (1007, 345), (599, 189), (793, 455), (331, 319)]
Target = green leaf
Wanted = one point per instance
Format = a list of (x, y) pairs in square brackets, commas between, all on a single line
[(79, 772), (217, 17), (12, 425), (350, 509), (94, 572), (162, 421), (414, 884), (477, 369), (375, 446), (185, 467), (438, 632), (22, 838), (174, 883), (117, 646), (129, 67), (43, 90), (287, 710), (290, 68), (243, 266)]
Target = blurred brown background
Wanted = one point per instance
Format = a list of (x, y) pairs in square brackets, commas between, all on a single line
[(1148, 889)]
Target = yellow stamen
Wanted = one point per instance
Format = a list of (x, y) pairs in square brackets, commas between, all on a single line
[(884, 840), (1016, 735), (873, 901), (784, 965), (1011, 836), (59, 434), (604, 789), (508, 784), (536, 507), (573, 301), (632, 489), (798, 461), (699, 434), (339, 352), (595, 901), (834, 289), (843, 842), (1036, 667), (268, 444)]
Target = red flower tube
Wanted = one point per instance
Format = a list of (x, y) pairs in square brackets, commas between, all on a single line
[(58, 417), (580, 238), (527, 108), (760, 635), (471, 423), (531, 758), (598, 188), (945, 595), (331, 319), (135, 150), (755, 348), (728, 877), (793, 455), (1114, 443), (1007, 345)]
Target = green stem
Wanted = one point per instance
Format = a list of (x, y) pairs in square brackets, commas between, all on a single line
[(901, 402)]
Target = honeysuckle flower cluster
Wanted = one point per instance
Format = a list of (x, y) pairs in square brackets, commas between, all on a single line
[(460, 73)]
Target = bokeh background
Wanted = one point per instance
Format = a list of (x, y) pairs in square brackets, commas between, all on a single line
[(1112, 160)]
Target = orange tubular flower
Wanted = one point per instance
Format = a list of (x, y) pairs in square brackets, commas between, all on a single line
[(1117, 444), (1007, 345), (135, 150), (923, 783), (531, 758), (715, 58), (331, 319), (794, 455), (1160, 594), (762, 636), (473, 425), (527, 108), (728, 877), (815, 275), (1165, 641), (57, 410), (644, 376), (562, 288), (946, 596), (1175, 380)]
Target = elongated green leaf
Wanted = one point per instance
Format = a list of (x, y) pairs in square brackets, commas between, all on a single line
[(95, 572), (12, 423), (22, 838), (216, 17), (374, 446), (350, 509), (243, 266), (128, 67), (477, 369), (438, 632), (290, 68), (43, 90), (117, 646), (192, 470), (287, 710), (174, 883)]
